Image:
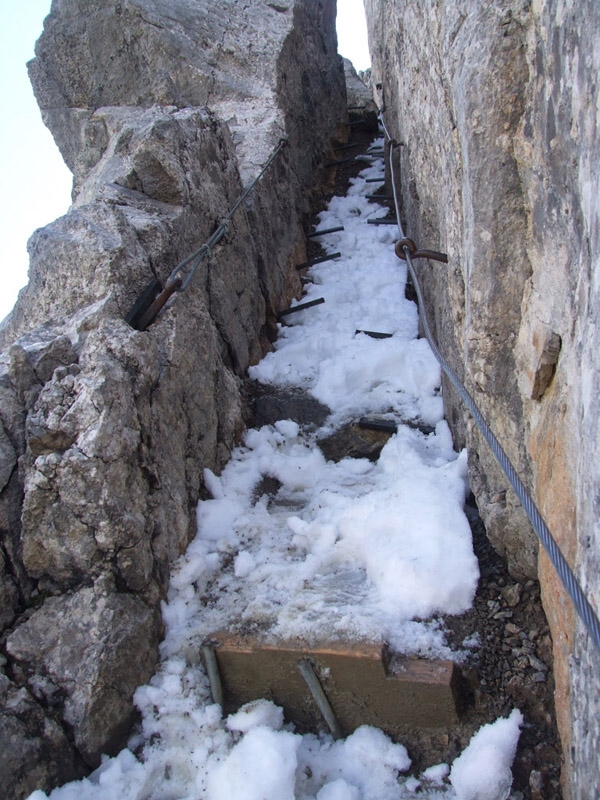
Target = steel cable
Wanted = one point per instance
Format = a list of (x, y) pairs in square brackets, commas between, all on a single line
[(569, 581), (205, 250)]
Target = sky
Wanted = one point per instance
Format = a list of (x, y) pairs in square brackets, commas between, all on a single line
[(36, 183)]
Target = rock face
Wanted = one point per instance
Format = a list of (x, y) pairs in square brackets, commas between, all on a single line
[(497, 108), (105, 430)]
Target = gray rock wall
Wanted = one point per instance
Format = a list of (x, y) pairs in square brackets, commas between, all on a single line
[(163, 111), (497, 107)]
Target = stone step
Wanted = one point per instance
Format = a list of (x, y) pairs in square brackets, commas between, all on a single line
[(364, 683)]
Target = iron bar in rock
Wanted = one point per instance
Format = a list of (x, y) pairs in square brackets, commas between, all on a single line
[(375, 334), (322, 233), (143, 303), (375, 180), (375, 424), (301, 307), (319, 260), (337, 161), (382, 222), (214, 677)]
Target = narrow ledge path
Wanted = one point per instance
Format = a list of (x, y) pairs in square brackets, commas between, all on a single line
[(341, 534)]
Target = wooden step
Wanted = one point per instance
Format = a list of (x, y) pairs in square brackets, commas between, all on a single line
[(364, 684)]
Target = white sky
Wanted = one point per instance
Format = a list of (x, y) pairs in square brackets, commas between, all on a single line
[(36, 185)]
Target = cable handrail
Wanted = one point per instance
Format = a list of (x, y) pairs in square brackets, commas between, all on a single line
[(563, 570)]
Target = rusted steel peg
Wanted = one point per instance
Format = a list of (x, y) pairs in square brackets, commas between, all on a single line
[(153, 310), (415, 253), (392, 143)]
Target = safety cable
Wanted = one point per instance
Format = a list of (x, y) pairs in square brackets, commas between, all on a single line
[(154, 296), (205, 250), (569, 581)]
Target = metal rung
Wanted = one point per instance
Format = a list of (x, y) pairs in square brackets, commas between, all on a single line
[(320, 260), (373, 424), (322, 233), (375, 334), (338, 161), (319, 696), (214, 677), (382, 222), (301, 307), (375, 180), (346, 147)]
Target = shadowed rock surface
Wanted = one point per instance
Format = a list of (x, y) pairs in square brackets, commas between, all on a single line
[(164, 112)]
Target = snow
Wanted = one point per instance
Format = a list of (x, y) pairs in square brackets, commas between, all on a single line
[(355, 549), (482, 771)]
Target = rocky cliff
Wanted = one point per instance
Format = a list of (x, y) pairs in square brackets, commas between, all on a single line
[(497, 106), (163, 111)]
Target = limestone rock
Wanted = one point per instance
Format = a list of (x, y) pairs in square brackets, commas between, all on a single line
[(108, 429), (8, 457), (85, 654), (352, 441), (183, 54), (496, 107), (34, 750), (359, 94)]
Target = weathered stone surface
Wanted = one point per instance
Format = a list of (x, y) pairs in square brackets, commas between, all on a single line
[(186, 54), (273, 404), (8, 457), (352, 441), (498, 110), (84, 655), (359, 94), (34, 750), (107, 429), (9, 595)]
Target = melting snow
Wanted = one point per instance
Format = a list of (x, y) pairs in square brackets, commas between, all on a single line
[(349, 549)]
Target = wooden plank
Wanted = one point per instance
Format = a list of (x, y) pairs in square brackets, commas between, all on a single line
[(363, 683)]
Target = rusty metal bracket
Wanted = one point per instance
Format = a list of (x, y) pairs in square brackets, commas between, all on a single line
[(143, 303), (410, 245), (153, 310)]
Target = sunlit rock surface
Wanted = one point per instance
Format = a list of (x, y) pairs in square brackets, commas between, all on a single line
[(498, 110)]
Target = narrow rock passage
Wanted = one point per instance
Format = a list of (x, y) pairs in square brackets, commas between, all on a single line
[(352, 549), (293, 545)]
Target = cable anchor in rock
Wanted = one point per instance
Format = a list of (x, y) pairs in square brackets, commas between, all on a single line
[(159, 302), (410, 245)]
